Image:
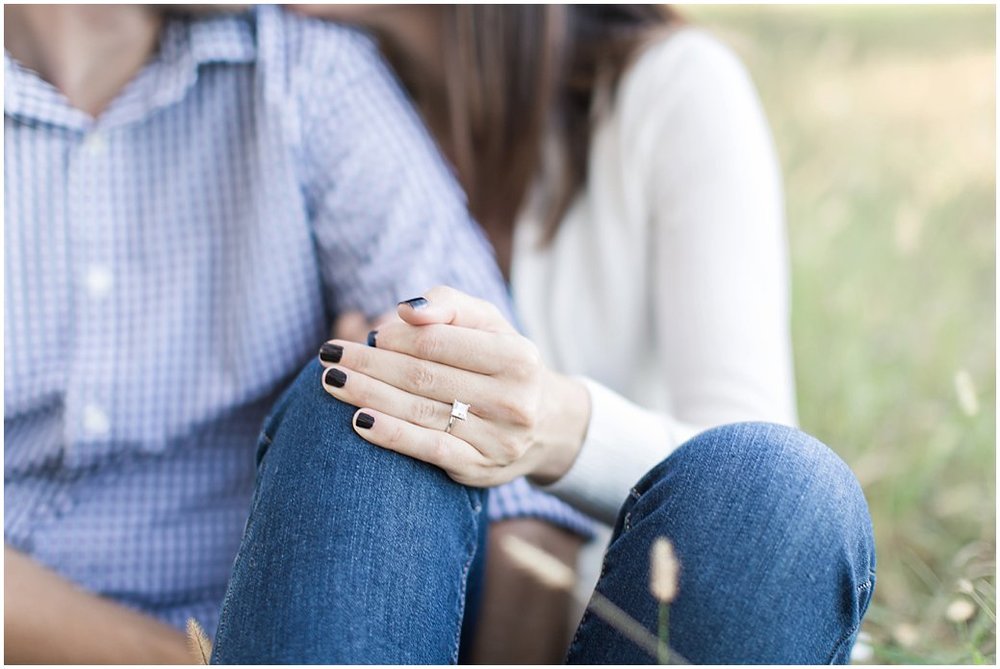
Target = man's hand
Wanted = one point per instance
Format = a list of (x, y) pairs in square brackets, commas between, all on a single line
[(48, 620)]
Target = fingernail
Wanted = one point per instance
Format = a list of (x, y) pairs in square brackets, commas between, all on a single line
[(335, 377), (364, 421), (371, 338), (330, 352), (416, 303)]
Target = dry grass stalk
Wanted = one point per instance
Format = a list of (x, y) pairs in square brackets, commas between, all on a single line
[(960, 610), (545, 567), (663, 571), (198, 641), (553, 573)]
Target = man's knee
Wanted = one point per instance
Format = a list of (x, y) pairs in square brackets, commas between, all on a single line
[(336, 515)]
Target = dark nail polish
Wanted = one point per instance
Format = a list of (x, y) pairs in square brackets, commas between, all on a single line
[(416, 303), (371, 338), (330, 352), (364, 421), (335, 377)]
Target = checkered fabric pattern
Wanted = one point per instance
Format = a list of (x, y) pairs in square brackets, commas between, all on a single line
[(172, 264)]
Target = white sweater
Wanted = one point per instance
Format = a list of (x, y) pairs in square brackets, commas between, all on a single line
[(666, 287)]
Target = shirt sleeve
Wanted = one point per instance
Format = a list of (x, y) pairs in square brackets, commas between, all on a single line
[(389, 218), (720, 276)]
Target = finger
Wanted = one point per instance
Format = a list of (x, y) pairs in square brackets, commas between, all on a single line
[(424, 378), (358, 390), (352, 326), (444, 304), (472, 350), (457, 458)]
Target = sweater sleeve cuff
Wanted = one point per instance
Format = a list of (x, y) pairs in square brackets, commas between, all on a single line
[(623, 442)]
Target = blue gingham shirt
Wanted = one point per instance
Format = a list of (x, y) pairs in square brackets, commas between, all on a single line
[(172, 264)]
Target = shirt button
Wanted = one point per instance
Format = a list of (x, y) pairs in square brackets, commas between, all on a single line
[(94, 144), (95, 421), (97, 280)]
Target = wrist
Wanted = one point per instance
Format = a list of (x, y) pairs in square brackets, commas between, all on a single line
[(565, 416)]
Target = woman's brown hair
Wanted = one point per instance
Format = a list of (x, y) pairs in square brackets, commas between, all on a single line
[(516, 73)]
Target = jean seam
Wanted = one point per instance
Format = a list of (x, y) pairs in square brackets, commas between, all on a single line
[(457, 643), (854, 629), (579, 628), (587, 614)]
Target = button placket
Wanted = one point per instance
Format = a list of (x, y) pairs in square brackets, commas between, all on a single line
[(94, 144), (91, 218)]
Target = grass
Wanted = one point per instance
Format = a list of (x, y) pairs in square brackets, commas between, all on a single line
[(884, 118)]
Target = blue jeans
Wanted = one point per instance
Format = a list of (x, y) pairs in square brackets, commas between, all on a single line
[(353, 554)]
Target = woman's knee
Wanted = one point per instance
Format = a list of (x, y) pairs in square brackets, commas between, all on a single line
[(762, 470), (768, 523)]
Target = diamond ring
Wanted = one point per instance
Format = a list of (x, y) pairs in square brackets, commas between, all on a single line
[(459, 411)]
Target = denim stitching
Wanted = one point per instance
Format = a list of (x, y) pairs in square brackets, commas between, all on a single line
[(576, 636), (841, 642), (456, 646), (587, 615), (854, 630)]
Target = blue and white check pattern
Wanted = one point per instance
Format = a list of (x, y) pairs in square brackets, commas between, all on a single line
[(172, 265)]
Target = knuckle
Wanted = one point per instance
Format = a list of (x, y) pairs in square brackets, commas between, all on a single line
[(356, 391), (439, 292), (523, 369), (438, 449), (464, 478), (427, 344), (420, 377), (395, 436), (524, 362), (424, 413), (505, 409), (474, 476), (493, 311), (360, 358), (533, 357), (512, 449), (517, 413)]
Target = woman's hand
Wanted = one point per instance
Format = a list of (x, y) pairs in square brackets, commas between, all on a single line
[(523, 420)]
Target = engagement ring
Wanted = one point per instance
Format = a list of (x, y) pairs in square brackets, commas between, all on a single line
[(459, 411)]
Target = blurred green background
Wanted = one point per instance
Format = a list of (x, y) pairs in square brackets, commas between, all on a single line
[(884, 118)]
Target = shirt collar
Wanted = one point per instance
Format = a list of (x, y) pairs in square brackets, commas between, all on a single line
[(185, 45)]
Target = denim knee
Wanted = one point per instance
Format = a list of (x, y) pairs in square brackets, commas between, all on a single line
[(316, 430), (772, 524), (796, 476), (351, 553)]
